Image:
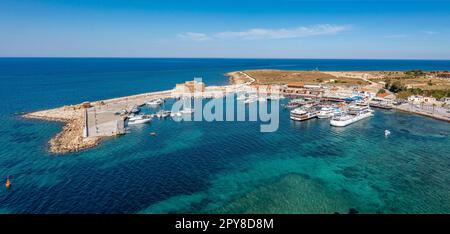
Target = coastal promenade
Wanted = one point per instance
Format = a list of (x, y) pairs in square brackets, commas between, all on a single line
[(426, 110)]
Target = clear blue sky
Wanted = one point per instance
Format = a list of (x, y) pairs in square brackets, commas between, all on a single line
[(230, 29)]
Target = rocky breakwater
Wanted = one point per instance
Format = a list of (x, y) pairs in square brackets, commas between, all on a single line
[(70, 139)]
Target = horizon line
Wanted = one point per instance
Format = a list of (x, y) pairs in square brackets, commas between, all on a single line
[(169, 57)]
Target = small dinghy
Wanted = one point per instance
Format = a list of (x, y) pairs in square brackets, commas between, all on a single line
[(387, 133), (7, 183)]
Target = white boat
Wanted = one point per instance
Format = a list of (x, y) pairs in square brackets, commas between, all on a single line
[(275, 97), (241, 97), (325, 112), (381, 105), (387, 133), (122, 112), (262, 99), (155, 102), (138, 119), (294, 103), (250, 99), (356, 109), (135, 110), (308, 106), (218, 95), (176, 114), (207, 96), (187, 110), (354, 114), (300, 114), (162, 114)]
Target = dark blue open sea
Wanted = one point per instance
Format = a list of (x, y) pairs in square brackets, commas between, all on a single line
[(213, 167)]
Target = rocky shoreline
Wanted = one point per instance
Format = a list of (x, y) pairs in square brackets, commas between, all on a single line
[(70, 139)]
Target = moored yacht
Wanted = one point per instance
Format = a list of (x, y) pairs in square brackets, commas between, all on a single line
[(300, 114), (138, 119), (358, 108), (241, 97), (162, 114), (380, 104), (294, 103), (135, 109), (326, 112), (155, 102), (353, 114), (176, 114), (250, 99), (187, 110)]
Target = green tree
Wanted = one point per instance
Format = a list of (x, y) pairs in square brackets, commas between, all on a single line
[(387, 85), (404, 95), (381, 91), (415, 73), (396, 87)]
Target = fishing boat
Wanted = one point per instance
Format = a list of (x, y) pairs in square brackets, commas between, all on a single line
[(155, 102), (301, 114), (122, 112), (176, 114), (162, 114), (135, 109), (138, 119), (251, 99), (187, 110), (353, 114), (241, 97)]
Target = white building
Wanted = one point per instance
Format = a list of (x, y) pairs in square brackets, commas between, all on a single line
[(417, 99), (446, 100)]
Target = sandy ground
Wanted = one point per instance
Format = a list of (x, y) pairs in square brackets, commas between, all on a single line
[(268, 77), (239, 78)]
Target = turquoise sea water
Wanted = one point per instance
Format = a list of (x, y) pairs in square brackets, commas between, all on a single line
[(213, 167)]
